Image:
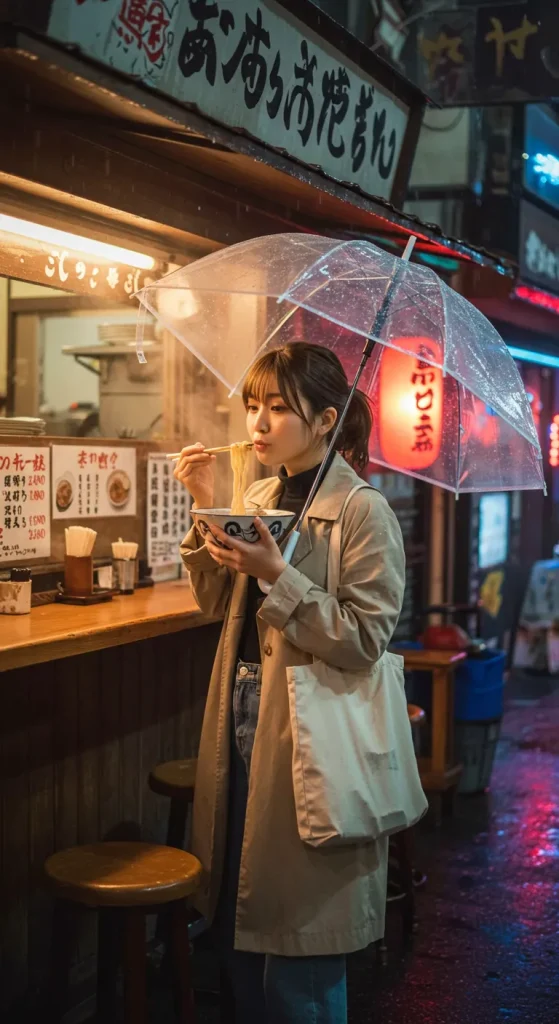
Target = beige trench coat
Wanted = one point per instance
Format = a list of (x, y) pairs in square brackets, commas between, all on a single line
[(295, 900)]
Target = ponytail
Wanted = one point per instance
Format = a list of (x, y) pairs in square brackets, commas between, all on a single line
[(353, 441)]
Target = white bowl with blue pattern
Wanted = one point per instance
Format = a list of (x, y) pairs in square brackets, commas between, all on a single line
[(241, 527)]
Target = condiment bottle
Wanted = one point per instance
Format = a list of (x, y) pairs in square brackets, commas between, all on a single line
[(15, 594)]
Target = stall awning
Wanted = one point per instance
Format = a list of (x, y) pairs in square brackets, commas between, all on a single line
[(114, 148)]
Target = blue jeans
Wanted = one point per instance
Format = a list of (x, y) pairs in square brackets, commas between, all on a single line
[(264, 988)]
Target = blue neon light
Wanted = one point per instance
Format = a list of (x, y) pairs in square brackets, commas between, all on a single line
[(546, 166), (527, 355)]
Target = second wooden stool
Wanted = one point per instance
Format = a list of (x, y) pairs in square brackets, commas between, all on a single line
[(175, 779), (124, 882)]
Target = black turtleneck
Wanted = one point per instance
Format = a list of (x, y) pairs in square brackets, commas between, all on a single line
[(295, 492)]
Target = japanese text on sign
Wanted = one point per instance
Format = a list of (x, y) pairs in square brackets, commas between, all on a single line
[(91, 482), (24, 504), (251, 66), (168, 517)]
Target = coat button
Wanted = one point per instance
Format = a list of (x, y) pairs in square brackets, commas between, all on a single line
[(267, 649), (243, 671)]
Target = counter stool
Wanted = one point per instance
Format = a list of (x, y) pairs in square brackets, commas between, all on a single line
[(175, 779), (124, 882), (401, 855)]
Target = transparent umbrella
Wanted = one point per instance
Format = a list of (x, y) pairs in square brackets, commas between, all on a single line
[(448, 401)]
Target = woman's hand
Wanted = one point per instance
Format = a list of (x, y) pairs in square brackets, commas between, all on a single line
[(195, 471), (263, 559)]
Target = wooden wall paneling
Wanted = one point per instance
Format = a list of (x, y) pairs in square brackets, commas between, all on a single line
[(88, 747), (127, 659), (183, 668), (109, 744), (15, 840), (41, 817), (152, 805), (88, 674), (65, 729), (167, 690)]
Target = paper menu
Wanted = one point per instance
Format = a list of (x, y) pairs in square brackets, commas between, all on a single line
[(90, 482), (24, 503), (168, 517)]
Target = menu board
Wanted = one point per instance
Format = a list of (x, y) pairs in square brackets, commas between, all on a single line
[(168, 517), (91, 482), (24, 503)]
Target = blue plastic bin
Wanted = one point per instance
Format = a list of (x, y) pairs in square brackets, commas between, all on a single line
[(479, 687)]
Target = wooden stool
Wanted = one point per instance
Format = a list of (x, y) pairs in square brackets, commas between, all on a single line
[(401, 849), (175, 779), (124, 882)]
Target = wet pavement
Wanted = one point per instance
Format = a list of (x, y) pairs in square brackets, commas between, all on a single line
[(488, 944)]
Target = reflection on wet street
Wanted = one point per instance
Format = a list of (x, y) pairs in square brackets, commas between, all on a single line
[(488, 947), (487, 950)]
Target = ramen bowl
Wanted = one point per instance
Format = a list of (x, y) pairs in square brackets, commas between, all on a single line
[(65, 492), (119, 488), (241, 527)]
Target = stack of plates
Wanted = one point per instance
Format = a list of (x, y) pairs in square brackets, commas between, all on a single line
[(28, 425)]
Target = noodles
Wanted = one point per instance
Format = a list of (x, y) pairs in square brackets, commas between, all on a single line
[(239, 465)]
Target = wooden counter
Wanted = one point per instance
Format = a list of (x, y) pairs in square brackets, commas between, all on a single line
[(92, 699), (57, 631)]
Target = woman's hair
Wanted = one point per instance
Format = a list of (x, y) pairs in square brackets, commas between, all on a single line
[(314, 373)]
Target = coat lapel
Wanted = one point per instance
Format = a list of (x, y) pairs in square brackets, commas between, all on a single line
[(327, 504)]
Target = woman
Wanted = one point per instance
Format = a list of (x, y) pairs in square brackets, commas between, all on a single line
[(285, 914)]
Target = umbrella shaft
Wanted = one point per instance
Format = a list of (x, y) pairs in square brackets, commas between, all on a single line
[(378, 325), (332, 446)]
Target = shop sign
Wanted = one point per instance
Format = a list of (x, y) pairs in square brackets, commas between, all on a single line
[(488, 53), (71, 271), (167, 516), (539, 247), (253, 67), (90, 483), (24, 504), (541, 155)]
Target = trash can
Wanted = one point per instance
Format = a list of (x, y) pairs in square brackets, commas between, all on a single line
[(478, 711)]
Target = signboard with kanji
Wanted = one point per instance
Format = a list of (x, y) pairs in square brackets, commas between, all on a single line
[(487, 53), (167, 516), (24, 503), (93, 482), (253, 67)]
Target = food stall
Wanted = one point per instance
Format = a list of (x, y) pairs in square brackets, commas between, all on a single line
[(108, 148)]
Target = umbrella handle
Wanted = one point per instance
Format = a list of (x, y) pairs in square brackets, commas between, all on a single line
[(287, 553)]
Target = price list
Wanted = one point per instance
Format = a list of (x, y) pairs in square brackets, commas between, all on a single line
[(24, 504)]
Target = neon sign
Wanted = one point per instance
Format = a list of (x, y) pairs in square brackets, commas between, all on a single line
[(546, 166), (554, 442)]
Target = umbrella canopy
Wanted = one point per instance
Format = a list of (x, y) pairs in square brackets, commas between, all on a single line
[(448, 401)]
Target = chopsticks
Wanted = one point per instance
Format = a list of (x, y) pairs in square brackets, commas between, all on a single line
[(175, 456), (124, 549), (79, 541)]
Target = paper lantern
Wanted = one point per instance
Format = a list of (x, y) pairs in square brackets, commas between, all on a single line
[(410, 406)]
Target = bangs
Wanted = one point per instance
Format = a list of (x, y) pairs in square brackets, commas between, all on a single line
[(273, 364)]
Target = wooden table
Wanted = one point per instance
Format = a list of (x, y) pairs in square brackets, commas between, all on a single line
[(57, 631), (439, 772)]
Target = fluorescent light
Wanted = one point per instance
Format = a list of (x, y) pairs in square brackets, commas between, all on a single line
[(527, 355), (65, 240)]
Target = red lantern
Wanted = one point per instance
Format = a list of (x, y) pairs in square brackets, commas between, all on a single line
[(410, 406)]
